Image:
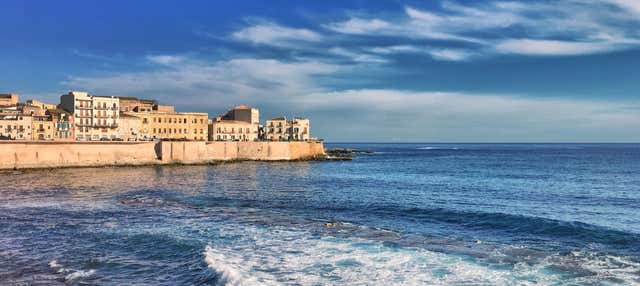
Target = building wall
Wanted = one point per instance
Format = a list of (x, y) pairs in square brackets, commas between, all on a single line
[(281, 129), (232, 130), (7, 99), (16, 127), (42, 128), (129, 128), (173, 125), (96, 117), (276, 129), (63, 124)]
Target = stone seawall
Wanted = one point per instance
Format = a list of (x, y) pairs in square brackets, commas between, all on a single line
[(196, 152), (26, 154)]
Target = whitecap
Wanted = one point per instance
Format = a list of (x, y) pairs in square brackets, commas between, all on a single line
[(227, 275), (79, 274)]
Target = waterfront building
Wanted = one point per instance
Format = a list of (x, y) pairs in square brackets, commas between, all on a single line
[(232, 130), (62, 123), (96, 117), (31, 110), (15, 127), (41, 105), (281, 129), (164, 123), (129, 127), (133, 104), (8, 99), (42, 128), (241, 123)]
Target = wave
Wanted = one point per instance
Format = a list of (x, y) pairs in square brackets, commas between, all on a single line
[(225, 274), (520, 224), (72, 275), (437, 148)]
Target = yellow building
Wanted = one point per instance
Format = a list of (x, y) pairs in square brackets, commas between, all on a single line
[(8, 99), (42, 105), (172, 125), (15, 127), (42, 128)]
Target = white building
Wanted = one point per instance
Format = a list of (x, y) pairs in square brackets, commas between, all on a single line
[(95, 117)]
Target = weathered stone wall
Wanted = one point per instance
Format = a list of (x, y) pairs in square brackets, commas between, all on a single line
[(20, 155), (196, 152)]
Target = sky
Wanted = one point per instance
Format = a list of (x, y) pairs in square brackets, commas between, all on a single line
[(362, 71)]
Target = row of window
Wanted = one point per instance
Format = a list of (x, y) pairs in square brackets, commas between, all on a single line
[(173, 120), (233, 130), (175, 131)]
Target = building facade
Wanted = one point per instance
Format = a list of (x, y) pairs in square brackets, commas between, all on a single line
[(8, 99), (42, 105), (133, 104), (96, 117), (172, 125), (16, 127), (42, 128), (63, 124), (241, 123), (281, 129), (232, 130), (129, 127)]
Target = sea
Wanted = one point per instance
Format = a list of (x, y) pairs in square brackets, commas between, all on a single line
[(408, 214)]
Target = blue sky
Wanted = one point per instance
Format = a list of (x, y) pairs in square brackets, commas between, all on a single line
[(393, 71)]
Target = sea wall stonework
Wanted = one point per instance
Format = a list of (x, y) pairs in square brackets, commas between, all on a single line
[(24, 155)]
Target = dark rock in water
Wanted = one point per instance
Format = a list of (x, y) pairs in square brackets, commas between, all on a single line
[(333, 224), (344, 153)]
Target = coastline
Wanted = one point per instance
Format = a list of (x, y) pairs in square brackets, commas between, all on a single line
[(50, 155)]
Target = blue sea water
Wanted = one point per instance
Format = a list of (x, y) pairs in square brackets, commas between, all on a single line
[(410, 214)]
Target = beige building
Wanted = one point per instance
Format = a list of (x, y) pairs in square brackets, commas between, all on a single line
[(281, 129), (96, 117), (133, 104), (172, 125), (16, 127), (232, 130), (238, 124), (42, 128), (41, 105), (8, 99), (129, 127)]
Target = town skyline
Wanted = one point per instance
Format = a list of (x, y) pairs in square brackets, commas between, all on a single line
[(393, 71)]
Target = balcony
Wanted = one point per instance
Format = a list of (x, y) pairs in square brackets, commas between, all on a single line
[(107, 125)]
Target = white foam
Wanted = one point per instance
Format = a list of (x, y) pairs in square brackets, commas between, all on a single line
[(79, 274), (227, 275), (437, 148), (293, 256)]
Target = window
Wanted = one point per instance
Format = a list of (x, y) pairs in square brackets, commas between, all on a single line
[(201, 131)]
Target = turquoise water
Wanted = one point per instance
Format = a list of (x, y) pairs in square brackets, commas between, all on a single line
[(411, 214)]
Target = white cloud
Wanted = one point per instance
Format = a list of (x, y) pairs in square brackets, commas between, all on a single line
[(275, 35), (361, 26), (551, 47), (356, 56), (166, 59), (585, 27), (445, 116), (370, 114), (206, 85)]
